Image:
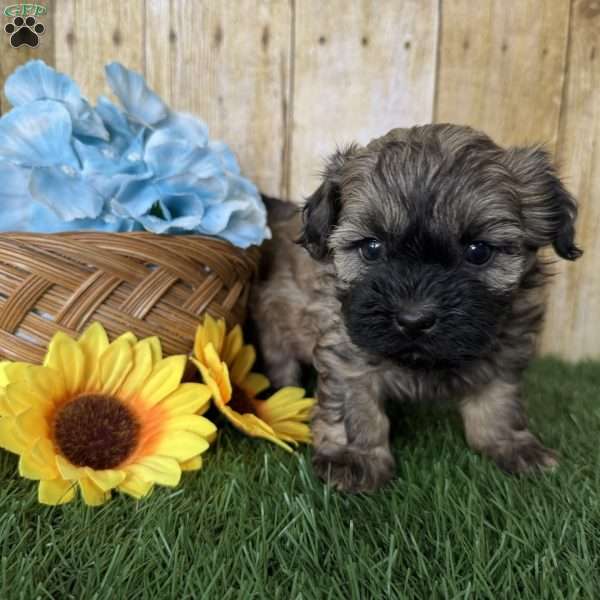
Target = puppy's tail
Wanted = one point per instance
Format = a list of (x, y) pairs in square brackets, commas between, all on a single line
[(278, 210)]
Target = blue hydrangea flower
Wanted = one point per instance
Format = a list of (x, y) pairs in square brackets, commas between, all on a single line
[(67, 166), (38, 136), (20, 212), (37, 81), (140, 102)]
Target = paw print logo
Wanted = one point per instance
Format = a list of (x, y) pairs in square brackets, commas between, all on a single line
[(24, 32)]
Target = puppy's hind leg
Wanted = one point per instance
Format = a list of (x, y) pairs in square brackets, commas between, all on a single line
[(281, 366), (496, 426), (271, 314)]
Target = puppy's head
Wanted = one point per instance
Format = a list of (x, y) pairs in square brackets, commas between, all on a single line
[(431, 231)]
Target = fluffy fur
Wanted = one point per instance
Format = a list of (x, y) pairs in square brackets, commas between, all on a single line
[(425, 194)]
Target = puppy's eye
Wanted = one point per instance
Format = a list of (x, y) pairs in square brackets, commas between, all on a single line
[(478, 253), (371, 249)]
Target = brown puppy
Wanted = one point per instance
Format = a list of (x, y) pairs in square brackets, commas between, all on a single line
[(422, 280)]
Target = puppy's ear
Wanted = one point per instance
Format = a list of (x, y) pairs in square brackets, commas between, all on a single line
[(322, 208), (548, 210)]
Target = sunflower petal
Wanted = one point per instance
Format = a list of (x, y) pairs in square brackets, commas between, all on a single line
[(255, 427), (188, 399), (18, 398), (4, 380), (194, 423), (156, 469), (183, 446), (211, 383), (194, 464), (92, 495), (135, 487), (164, 380), (286, 395), (216, 372), (282, 408), (43, 452), (67, 470), (128, 337), (32, 424), (143, 361), (154, 344), (292, 431), (210, 332), (93, 341), (106, 479), (233, 344), (11, 372), (254, 384), (65, 356), (56, 491), (244, 361), (45, 385), (115, 364), (32, 465), (10, 438)]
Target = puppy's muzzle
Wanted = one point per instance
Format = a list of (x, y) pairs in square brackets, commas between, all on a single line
[(414, 320)]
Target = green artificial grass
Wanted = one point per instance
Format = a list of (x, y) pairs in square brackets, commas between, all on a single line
[(254, 523)]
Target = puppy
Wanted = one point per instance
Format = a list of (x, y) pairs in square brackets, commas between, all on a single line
[(416, 276)]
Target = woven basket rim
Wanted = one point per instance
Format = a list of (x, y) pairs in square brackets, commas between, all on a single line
[(92, 233)]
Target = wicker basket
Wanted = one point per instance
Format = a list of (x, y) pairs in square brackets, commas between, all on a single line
[(140, 282)]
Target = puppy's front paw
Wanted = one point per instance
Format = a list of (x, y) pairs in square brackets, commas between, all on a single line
[(351, 470), (525, 454)]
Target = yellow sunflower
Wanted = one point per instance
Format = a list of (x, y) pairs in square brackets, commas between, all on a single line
[(226, 363), (100, 416)]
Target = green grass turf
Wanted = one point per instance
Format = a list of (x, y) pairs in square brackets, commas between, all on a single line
[(254, 523)]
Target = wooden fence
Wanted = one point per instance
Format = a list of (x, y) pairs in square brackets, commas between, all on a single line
[(284, 81)]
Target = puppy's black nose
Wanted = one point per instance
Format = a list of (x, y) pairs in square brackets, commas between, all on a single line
[(414, 321)]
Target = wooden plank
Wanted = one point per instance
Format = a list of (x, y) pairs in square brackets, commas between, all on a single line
[(227, 62), (501, 67), (360, 69), (159, 48), (573, 318), (91, 34), (11, 58)]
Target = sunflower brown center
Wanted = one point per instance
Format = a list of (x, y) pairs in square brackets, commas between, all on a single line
[(96, 431), (240, 401)]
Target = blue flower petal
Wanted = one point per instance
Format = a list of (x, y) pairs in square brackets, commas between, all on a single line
[(181, 214), (135, 198), (65, 192), (43, 220), (20, 212), (15, 200), (176, 157), (247, 228), (35, 80), (217, 217), (226, 156), (86, 122), (212, 190), (108, 159), (120, 128), (184, 206), (141, 103), (180, 126), (38, 134), (246, 225)]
